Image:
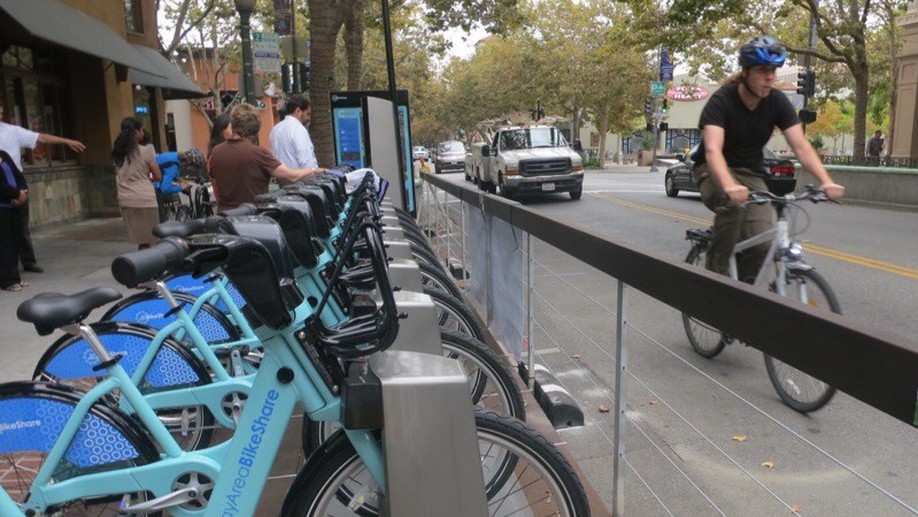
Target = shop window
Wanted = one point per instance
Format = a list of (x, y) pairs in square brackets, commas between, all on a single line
[(133, 16), (35, 97)]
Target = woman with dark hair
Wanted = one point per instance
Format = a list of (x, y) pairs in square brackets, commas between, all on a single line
[(136, 169), (220, 132)]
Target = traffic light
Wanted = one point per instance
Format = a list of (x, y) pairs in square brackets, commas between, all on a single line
[(665, 108), (806, 83), (807, 116), (649, 127), (664, 126), (648, 106)]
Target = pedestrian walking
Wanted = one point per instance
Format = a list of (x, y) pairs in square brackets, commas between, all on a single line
[(240, 169), (875, 146), (290, 140), (135, 171), (12, 139)]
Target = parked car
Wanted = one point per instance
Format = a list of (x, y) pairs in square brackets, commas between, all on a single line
[(779, 178), (449, 157), (418, 152)]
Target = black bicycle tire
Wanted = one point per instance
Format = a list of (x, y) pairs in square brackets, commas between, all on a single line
[(127, 427), (694, 254), (489, 365), (322, 470), (456, 308), (434, 276), (800, 406)]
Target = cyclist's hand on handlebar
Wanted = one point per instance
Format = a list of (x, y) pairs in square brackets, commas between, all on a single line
[(737, 194), (833, 190)]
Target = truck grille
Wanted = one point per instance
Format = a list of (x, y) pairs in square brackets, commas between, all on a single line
[(545, 167)]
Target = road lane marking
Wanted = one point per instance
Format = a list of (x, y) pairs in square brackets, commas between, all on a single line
[(808, 246)]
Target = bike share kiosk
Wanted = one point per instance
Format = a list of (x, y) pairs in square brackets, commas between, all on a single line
[(363, 137), (427, 415)]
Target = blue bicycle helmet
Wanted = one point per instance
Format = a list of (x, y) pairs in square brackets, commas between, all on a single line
[(762, 50)]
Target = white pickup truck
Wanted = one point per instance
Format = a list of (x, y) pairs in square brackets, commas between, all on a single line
[(524, 160)]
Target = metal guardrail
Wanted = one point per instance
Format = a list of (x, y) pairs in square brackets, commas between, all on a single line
[(870, 161), (874, 366), (869, 364)]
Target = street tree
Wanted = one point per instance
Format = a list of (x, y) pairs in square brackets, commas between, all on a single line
[(709, 28)]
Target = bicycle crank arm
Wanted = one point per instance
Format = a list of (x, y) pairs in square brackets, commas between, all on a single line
[(177, 498)]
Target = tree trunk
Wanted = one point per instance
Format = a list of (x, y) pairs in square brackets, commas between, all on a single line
[(354, 27), (603, 128), (861, 95), (325, 22)]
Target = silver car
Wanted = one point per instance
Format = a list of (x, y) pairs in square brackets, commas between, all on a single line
[(450, 157)]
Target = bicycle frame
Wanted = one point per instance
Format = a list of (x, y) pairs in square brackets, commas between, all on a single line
[(779, 237), (239, 467)]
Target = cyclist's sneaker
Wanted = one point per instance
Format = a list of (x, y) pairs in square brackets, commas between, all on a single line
[(727, 339)]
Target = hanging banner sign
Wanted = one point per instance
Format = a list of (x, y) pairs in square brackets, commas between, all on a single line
[(687, 93)]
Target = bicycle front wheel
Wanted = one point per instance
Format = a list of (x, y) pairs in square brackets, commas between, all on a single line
[(799, 390), (705, 339), (524, 476)]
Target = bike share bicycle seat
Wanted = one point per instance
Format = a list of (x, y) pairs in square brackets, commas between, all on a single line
[(48, 311)]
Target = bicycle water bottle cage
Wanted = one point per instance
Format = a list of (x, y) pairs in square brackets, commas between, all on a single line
[(250, 266), (294, 221), (179, 228), (50, 311)]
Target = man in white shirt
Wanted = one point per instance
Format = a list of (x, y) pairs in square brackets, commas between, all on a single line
[(12, 139), (290, 142)]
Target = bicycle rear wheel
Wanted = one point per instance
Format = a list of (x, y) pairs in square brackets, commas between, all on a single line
[(799, 390), (34, 413), (705, 339), (524, 476)]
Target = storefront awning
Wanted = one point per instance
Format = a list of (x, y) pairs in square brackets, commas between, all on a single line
[(175, 84), (56, 23)]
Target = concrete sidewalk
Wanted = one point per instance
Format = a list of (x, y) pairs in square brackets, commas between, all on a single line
[(75, 257)]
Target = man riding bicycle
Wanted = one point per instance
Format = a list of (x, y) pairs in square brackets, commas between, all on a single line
[(736, 123)]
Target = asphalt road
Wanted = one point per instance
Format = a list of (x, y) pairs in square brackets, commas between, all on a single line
[(711, 437)]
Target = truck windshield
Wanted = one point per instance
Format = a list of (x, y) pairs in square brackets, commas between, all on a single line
[(527, 138)]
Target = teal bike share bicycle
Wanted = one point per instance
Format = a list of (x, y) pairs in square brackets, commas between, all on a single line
[(68, 453)]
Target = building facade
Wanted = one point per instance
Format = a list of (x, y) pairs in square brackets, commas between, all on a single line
[(76, 68)]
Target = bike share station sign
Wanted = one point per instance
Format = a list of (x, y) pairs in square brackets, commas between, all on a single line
[(266, 52), (363, 137)]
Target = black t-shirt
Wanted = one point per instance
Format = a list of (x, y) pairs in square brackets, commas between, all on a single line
[(745, 131)]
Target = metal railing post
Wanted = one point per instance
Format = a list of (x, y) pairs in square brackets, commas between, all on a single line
[(449, 233), (465, 244), (530, 282), (621, 365)]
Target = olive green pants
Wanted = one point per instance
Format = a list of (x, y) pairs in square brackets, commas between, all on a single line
[(733, 223)]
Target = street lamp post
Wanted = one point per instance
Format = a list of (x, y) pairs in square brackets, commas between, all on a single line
[(245, 8)]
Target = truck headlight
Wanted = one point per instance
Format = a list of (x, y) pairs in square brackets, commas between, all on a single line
[(512, 171), (577, 167)]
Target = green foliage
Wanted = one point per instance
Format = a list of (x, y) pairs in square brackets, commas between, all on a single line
[(816, 142)]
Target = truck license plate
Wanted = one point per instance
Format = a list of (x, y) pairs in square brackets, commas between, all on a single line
[(548, 187)]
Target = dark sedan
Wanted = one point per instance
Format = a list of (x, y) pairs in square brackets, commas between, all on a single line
[(780, 176)]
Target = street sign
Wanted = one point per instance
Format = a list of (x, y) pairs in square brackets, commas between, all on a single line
[(657, 88), (266, 52), (666, 66)]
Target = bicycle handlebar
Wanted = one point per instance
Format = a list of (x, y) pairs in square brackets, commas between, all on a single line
[(141, 266), (812, 193)]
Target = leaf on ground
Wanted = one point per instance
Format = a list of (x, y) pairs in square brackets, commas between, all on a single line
[(768, 464), (797, 508), (575, 356), (739, 438), (653, 402), (603, 409)]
